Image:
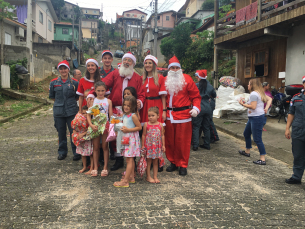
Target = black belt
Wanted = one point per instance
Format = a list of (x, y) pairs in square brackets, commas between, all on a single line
[(178, 108), (153, 98)]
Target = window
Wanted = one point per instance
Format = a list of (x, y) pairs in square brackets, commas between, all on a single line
[(40, 17), (8, 39), (188, 10), (94, 11), (167, 18), (257, 62), (50, 25), (65, 31), (128, 15)]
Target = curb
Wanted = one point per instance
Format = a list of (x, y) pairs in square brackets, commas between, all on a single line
[(277, 153), (22, 113), (20, 95)]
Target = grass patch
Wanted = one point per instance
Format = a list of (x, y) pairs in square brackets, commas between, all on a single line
[(86, 56), (13, 107)]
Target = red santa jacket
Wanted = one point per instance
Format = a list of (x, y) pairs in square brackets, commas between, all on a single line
[(188, 96), (115, 81)]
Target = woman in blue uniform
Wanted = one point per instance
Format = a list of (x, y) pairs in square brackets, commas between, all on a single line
[(63, 92), (296, 119)]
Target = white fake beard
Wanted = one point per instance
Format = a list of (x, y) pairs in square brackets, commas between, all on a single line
[(126, 71), (174, 82)]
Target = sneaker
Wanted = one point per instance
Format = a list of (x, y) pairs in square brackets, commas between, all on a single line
[(259, 162), (292, 181)]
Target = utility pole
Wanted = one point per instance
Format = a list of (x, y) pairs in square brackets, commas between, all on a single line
[(29, 41), (129, 38), (91, 31), (125, 37), (73, 30), (79, 37), (141, 41), (156, 29), (215, 47), (137, 37)]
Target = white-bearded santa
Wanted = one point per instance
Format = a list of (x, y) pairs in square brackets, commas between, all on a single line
[(183, 102)]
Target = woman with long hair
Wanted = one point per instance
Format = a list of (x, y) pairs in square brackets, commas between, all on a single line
[(155, 92), (203, 119), (256, 119), (92, 76)]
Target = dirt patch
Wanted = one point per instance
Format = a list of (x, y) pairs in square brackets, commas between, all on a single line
[(12, 107)]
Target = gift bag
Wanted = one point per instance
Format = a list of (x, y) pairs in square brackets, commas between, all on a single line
[(111, 133), (142, 164)]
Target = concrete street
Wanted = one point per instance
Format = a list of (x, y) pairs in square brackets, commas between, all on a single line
[(222, 189)]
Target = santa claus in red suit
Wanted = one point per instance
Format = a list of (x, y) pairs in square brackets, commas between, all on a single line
[(183, 103)]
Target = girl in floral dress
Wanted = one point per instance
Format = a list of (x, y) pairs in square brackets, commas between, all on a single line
[(154, 141), (131, 140), (80, 126)]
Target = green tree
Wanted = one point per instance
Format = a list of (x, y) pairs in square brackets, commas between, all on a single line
[(58, 5), (208, 5), (182, 39), (4, 13), (167, 47)]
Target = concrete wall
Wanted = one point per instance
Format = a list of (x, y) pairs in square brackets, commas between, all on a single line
[(295, 56), (13, 53), (161, 58)]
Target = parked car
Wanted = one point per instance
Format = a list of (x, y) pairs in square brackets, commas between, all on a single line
[(119, 53)]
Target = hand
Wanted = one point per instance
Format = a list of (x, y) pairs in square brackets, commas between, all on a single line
[(163, 148), (143, 147), (241, 102), (164, 116), (138, 104), (94, 128), (194, 113), (287, 134), (266, 110), (124, 129)]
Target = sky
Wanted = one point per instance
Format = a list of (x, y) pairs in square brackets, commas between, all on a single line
[(111, 7)]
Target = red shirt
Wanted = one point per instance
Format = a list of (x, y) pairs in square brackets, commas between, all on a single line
[(107, 71), (84, 84), (115, 81)]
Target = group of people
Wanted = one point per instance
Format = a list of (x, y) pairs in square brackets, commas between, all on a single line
[(159, 113)]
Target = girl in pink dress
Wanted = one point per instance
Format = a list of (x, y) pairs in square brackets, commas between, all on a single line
[(154, 141)]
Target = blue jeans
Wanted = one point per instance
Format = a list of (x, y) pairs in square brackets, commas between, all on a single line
[(255, 126)]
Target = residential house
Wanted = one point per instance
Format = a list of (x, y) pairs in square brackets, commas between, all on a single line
[(69, 10), (190, 7), (90, 22), (14, 32), (197, 18), (269, 39), (165, 23), (43, 18), (63, 32)]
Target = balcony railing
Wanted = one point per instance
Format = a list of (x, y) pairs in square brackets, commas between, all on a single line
[(255, 12)]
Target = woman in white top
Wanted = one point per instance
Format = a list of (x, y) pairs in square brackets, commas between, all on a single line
[(256, 119)]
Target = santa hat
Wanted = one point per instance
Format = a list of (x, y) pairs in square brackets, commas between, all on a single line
[(119, 65), (174, 62), (107, 52), (202, 74), (151, 57), (129, 55), (90, 96), (63, 63), (303, 79), (92, 60)]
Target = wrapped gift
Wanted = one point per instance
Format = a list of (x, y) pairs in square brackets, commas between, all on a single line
[(99, 119)]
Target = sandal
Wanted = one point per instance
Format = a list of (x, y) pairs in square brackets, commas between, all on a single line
[(259, 162), (104, 173), (94, 173), (242, 152), (120, 185)]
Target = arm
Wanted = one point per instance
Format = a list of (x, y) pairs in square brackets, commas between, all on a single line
[(289, 121), (194, 95), (110, 111), (94, 128), (144, 135), (269, 101), (76, 87), (163, 98), (81, 100), (140, 95), (163, 139), (51, 92), (252, 105), (136, 121)]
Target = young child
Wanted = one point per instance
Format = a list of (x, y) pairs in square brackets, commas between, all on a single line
[(84, 148), (105, 107), (131, 91), (154, 141), (131, 129)]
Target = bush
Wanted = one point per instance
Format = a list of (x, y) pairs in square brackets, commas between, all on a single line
[(15, 81)]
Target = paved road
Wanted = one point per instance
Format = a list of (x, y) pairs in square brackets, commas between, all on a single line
[(222, 190)]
